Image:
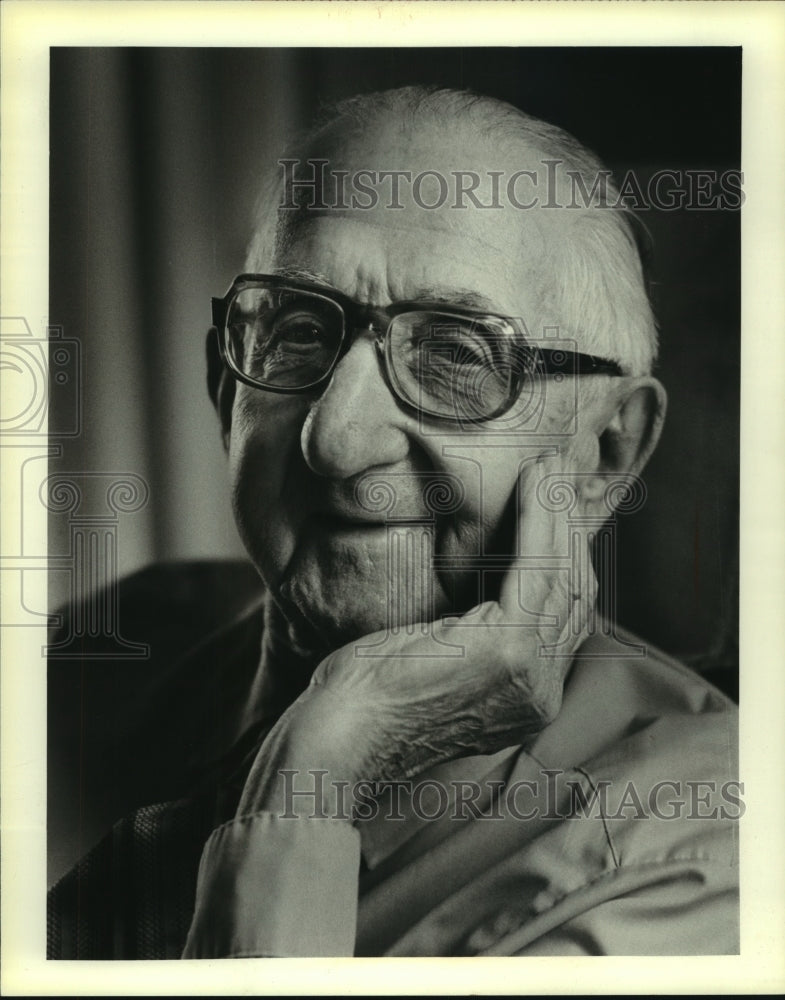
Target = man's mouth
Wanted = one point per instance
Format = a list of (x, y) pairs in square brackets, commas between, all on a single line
[(340, 513), (331, 521)]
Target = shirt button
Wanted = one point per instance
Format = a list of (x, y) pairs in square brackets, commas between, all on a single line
[(487, 934), (542, 901)]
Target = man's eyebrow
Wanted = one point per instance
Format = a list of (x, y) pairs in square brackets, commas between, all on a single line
[(437, 294), (303, 274), (465, 297)]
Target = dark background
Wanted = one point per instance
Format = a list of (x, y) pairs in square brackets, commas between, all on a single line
[(155, 159)]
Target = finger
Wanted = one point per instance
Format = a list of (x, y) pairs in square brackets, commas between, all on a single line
[(573, 595), (583, 613), (539, 544)]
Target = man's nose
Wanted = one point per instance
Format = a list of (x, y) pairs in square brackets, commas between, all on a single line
[(355, 424)]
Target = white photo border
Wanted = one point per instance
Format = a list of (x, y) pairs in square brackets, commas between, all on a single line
[(29, 29)]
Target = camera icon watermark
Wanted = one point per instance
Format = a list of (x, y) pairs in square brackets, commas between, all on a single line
[(42, 376)]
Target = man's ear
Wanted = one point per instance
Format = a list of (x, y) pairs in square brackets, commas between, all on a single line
[(220, 385), (632, 426), (633, 431)]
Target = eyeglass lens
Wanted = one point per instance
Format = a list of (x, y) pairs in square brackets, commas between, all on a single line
[(460, 367), (283, 338)]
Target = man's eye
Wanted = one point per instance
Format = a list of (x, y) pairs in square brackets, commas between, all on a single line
[(462, 346), (470, 352), (300, 331)]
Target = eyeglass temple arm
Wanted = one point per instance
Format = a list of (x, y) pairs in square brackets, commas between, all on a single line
[(219, 313), (554, 361)]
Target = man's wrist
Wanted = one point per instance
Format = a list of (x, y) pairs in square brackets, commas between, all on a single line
[(307, 766)]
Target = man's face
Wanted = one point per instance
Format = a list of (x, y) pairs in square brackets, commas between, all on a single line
[(296, 461)]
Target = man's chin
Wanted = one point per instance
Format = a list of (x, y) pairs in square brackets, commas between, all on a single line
[(319, 629), (327, 614), (336, 589)]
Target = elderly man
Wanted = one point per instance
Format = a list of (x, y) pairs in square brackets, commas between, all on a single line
[(434, 386)]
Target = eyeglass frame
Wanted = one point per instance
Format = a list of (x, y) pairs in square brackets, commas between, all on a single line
[(546, 361)]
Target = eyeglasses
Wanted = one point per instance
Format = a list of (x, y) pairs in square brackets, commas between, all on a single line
[(450, 363)]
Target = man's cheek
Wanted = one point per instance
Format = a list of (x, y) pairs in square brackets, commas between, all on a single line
[(261, 521), (267, 423), (257, 456)]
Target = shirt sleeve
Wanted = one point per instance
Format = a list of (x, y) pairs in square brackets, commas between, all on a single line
[(270, 886)]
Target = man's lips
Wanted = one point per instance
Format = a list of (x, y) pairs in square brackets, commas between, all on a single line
[(344, 511), (335, 521), (371, 500), (346, 520)]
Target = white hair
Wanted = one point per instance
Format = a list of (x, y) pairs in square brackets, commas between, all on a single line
[(596, 287)]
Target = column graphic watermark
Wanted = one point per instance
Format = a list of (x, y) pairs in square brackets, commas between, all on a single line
[(42, 375)]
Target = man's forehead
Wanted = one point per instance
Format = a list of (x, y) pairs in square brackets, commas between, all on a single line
[(425, 175), (415, 225), (445, 230), (442, 293), (382, 263), (411, 205), (426, 170)]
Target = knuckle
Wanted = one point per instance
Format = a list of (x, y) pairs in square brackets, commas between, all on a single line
[(538, 692), (549, 703)]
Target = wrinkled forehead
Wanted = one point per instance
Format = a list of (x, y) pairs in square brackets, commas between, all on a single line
[(448, 190)]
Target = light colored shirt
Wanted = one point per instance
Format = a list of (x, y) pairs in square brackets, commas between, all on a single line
[(615, 833)]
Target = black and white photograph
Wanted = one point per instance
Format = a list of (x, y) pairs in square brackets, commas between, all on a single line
[(390, 455)]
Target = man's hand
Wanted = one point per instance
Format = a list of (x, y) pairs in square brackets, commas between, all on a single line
[(390, 718)]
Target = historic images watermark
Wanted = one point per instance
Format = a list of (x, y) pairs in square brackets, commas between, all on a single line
[(553, 794), (312, 184)]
